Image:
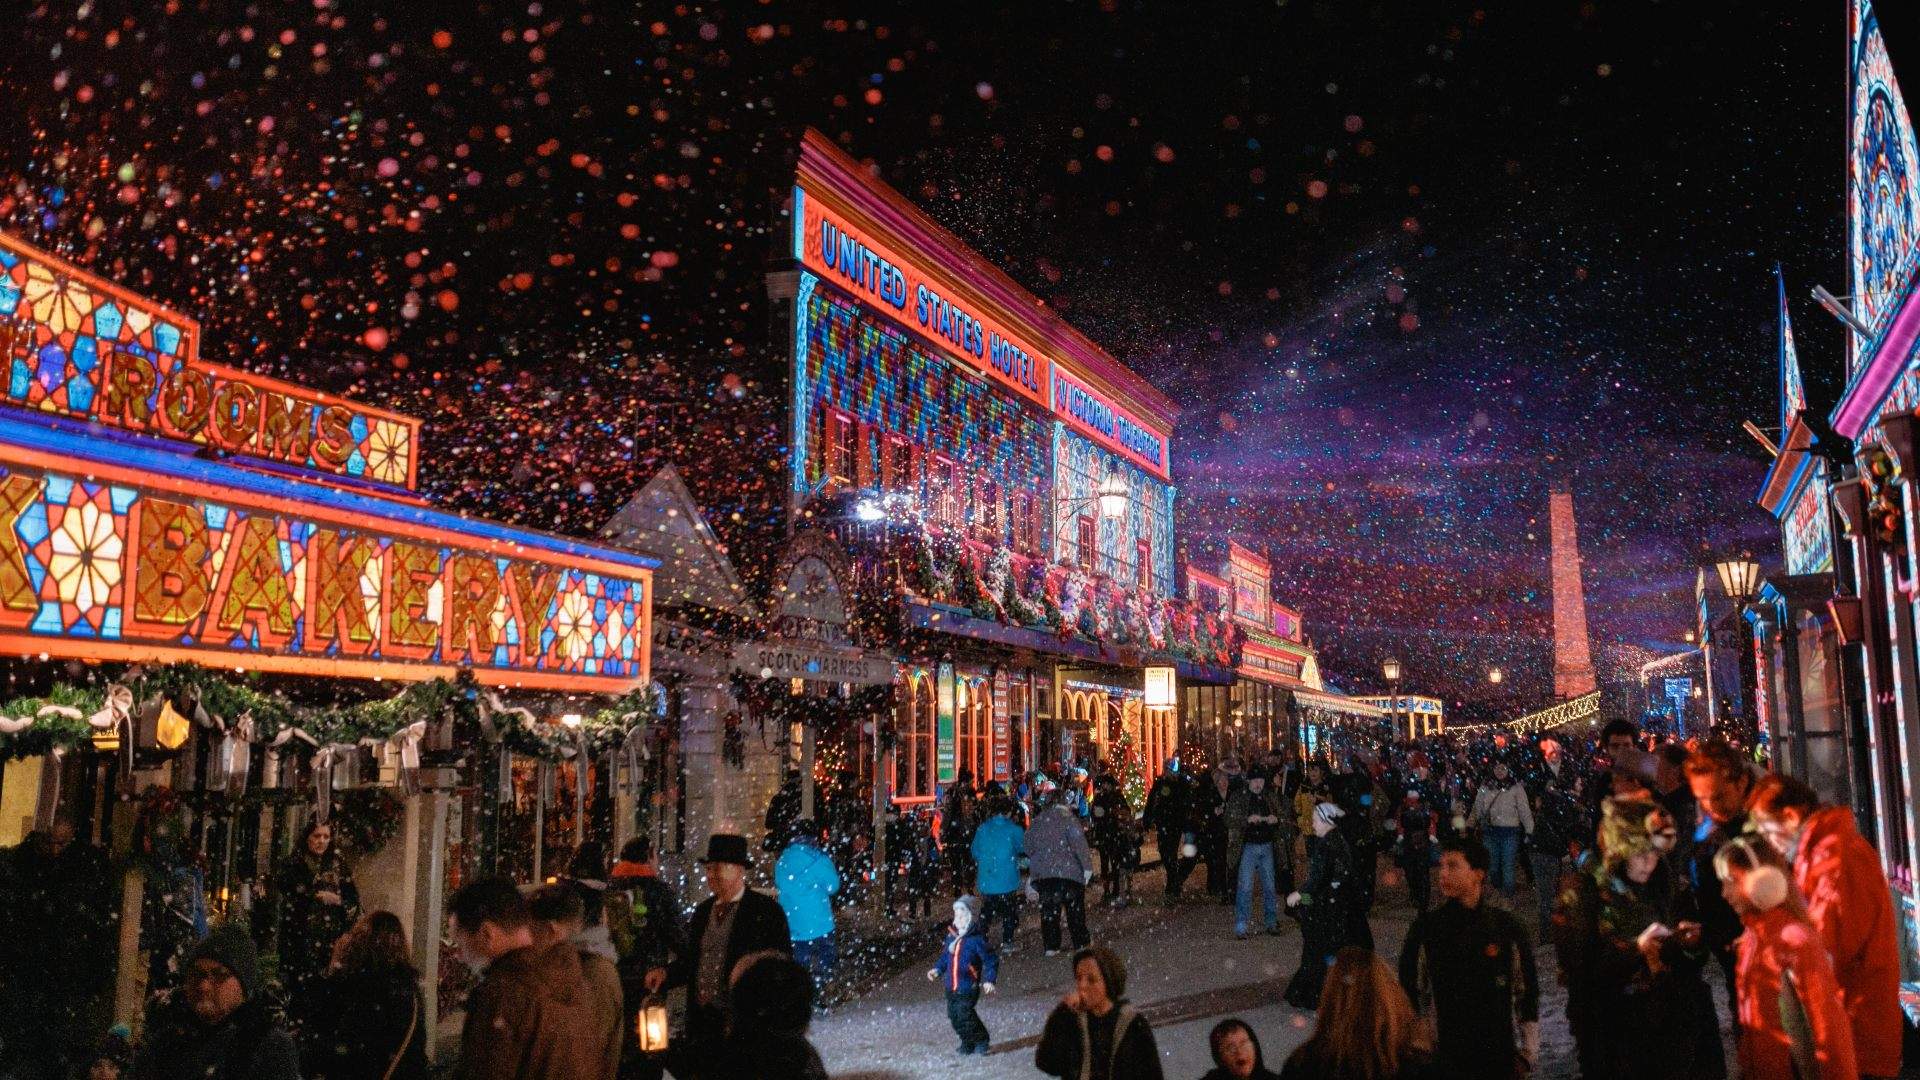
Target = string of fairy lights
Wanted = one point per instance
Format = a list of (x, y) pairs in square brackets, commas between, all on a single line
[(1559, 714)]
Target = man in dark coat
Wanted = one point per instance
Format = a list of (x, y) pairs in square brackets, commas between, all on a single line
[(1720, 779), (63, 920), (1168, 806), (783, 810), (1471, 965), (218, 1025), (533, 1013), (732, 923)]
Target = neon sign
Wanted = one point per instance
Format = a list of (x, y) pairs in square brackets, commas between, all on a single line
[(1108, 423), (116, 555), (76, 346), (830, 247), (826, 244)]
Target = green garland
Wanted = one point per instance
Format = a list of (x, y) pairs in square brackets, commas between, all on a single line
[(54, 729), (227, 697)]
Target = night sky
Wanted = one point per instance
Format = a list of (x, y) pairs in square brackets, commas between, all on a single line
[(1402, 264)]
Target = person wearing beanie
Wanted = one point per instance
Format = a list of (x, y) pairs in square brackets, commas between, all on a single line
[(966, 970), (219, 1024), (1792, 1020), (1627, 933), (1060, 867), (1324, 904), (648, 929), (1093, 1034), (1169, 802)]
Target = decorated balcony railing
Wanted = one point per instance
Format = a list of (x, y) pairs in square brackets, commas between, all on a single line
[(905, 557)]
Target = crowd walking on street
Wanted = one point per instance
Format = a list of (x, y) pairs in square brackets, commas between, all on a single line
[(1656, 868)]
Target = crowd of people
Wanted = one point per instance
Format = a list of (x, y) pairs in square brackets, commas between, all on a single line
[(1651, 865)]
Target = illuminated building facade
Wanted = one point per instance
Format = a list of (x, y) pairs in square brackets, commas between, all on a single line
[(999, 491), (1846, 714)]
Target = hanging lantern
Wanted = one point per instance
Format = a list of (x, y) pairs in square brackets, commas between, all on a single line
[(170, 729), (650, 1026)]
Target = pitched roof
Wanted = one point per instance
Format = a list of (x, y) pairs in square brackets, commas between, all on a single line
[(662, 520)]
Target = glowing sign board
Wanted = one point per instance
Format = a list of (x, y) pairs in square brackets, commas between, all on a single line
[(922, 300), (110, 552), (1805, 539), (1107, 423), (1884, 209), (73, 345)]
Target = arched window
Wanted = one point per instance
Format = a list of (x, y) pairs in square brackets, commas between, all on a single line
[(913, 756), (977, 751)]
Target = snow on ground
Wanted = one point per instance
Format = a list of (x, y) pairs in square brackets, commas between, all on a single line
[(1184, 965)]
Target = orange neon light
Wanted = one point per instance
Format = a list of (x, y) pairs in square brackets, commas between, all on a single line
[(100, 561), (924, 304), (75, 345)]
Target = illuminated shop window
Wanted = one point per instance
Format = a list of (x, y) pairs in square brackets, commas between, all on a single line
[(914, 759)]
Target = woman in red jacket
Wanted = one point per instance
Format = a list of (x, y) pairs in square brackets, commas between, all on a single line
[(1839, 874), (1792, 1025)]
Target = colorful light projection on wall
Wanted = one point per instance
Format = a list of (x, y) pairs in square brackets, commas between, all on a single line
[(124, 563), (1884, 218), (76, 346), (922, 291)]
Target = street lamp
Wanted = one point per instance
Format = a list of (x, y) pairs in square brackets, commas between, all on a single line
[(1740, 577), (1390, 668), (1113, 496)]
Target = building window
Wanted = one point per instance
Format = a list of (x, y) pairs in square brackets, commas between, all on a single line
[(914, 758), (1024, 540), (842, 445), (1143, 568), (990, 515), (896, 464), (1089, 542), (973, 748), (943, 490)]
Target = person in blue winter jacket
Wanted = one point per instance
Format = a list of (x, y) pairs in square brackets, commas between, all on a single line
[(807, 881), (998, 846), (966, 969)]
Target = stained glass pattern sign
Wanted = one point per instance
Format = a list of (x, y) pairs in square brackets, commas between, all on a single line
[(73, 345), (1807, 542), (1884, 212), (111, 565)]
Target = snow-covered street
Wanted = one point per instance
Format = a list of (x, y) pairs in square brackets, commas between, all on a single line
[(1186, 973)]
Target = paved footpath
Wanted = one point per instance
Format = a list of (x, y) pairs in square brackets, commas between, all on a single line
[(1186, 972)]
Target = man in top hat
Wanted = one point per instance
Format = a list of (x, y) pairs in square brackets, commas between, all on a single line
[(734, 922)]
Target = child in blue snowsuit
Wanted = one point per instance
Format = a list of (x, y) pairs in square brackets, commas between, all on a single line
[(967, 969)]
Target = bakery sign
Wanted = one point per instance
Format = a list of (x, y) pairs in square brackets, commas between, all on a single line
[(810, 638), (141, 554), (75, 346)]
